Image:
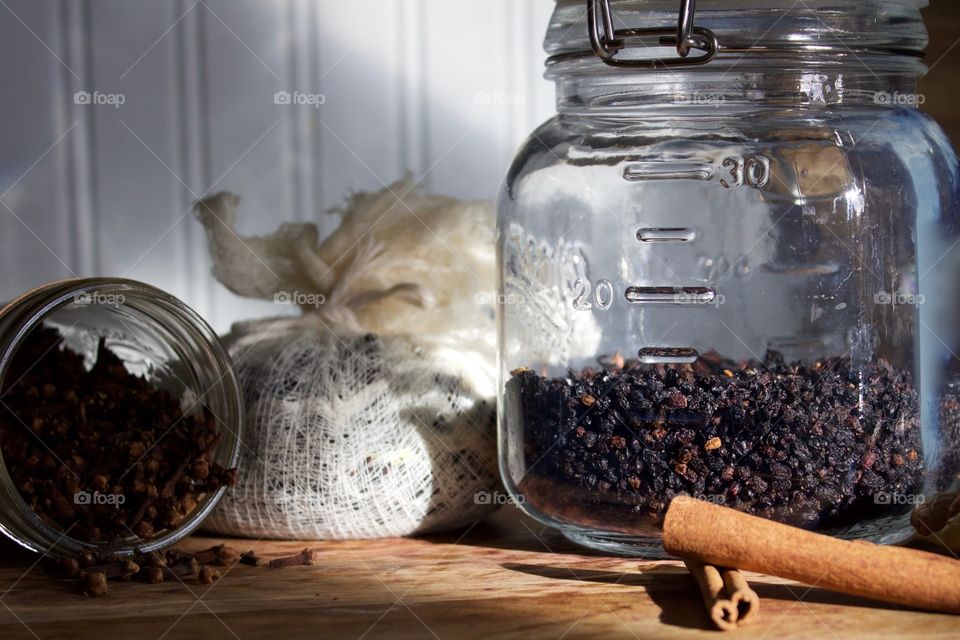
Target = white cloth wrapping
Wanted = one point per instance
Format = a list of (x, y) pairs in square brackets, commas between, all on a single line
[(370, 414)]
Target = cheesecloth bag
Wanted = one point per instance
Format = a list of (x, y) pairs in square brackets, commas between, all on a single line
[(371, 413)]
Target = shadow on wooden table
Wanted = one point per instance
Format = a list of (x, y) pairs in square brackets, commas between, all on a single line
[(13, 555), (671, 588), (510, 529)]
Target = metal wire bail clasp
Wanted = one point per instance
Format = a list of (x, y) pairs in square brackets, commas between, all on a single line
[(607, 41)]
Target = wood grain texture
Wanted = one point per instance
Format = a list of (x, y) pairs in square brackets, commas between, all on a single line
[(508, 577)]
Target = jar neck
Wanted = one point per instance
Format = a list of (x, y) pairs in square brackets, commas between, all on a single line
[(589, 86)]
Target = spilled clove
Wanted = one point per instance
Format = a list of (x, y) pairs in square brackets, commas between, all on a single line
[(303, 558), (93, 583), (119, 569), (220, 555), (208, 575), (95, 570)]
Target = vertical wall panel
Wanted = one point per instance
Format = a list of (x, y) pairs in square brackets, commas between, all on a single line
[(469, 98), (542, 103), (193, 148), (62, 120), (137, 177), (358, 124), (35, 237), (75, 74), (411, 74), (247, 63), (444, 89), (303, 65)]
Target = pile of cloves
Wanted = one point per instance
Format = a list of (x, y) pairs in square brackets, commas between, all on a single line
[(94, 571), (100, 453)]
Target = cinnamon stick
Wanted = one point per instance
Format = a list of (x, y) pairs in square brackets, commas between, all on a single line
[(744, 599), (721, 610), (721, 536)]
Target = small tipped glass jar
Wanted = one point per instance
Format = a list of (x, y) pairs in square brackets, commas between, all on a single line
[(157, 338), (727, 268)]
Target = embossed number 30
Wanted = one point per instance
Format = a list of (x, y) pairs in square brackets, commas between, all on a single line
[(753, 171)]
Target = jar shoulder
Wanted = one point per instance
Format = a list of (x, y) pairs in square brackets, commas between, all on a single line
[(856, 148), (649, 130)]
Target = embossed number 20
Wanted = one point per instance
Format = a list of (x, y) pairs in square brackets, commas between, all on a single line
[(753, 171), (602, 295)]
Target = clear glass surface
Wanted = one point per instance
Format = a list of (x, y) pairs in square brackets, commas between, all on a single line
[(732, 282), (159, 339)]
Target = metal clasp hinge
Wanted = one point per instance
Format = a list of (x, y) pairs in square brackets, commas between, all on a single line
[(608, 41)]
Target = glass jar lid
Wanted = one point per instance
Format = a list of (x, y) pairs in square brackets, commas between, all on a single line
[(664, 33)]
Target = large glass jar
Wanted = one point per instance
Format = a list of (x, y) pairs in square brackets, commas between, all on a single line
[(727, 269)]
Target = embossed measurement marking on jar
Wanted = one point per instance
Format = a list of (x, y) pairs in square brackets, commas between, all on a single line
[(668, 170), (671, 295), (602, 296), (668, 355), (822, 269), (665, 235), (736, 171), (790, 344), (752, 171)]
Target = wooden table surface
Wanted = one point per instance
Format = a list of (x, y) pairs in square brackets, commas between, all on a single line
[(507, 577)]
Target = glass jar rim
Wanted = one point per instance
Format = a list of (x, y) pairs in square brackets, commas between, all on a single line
[(772, 28), (19, 317)]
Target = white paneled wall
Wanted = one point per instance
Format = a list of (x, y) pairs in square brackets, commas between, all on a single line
[(444, 89)]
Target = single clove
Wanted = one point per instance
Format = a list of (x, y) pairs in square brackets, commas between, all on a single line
[(152, 559), (120, 569), (251, 558), (220, 555), (86, 558), (208, 575), (153, 575), (68, 567), (183, 569), (93, 583), (303, 558)]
